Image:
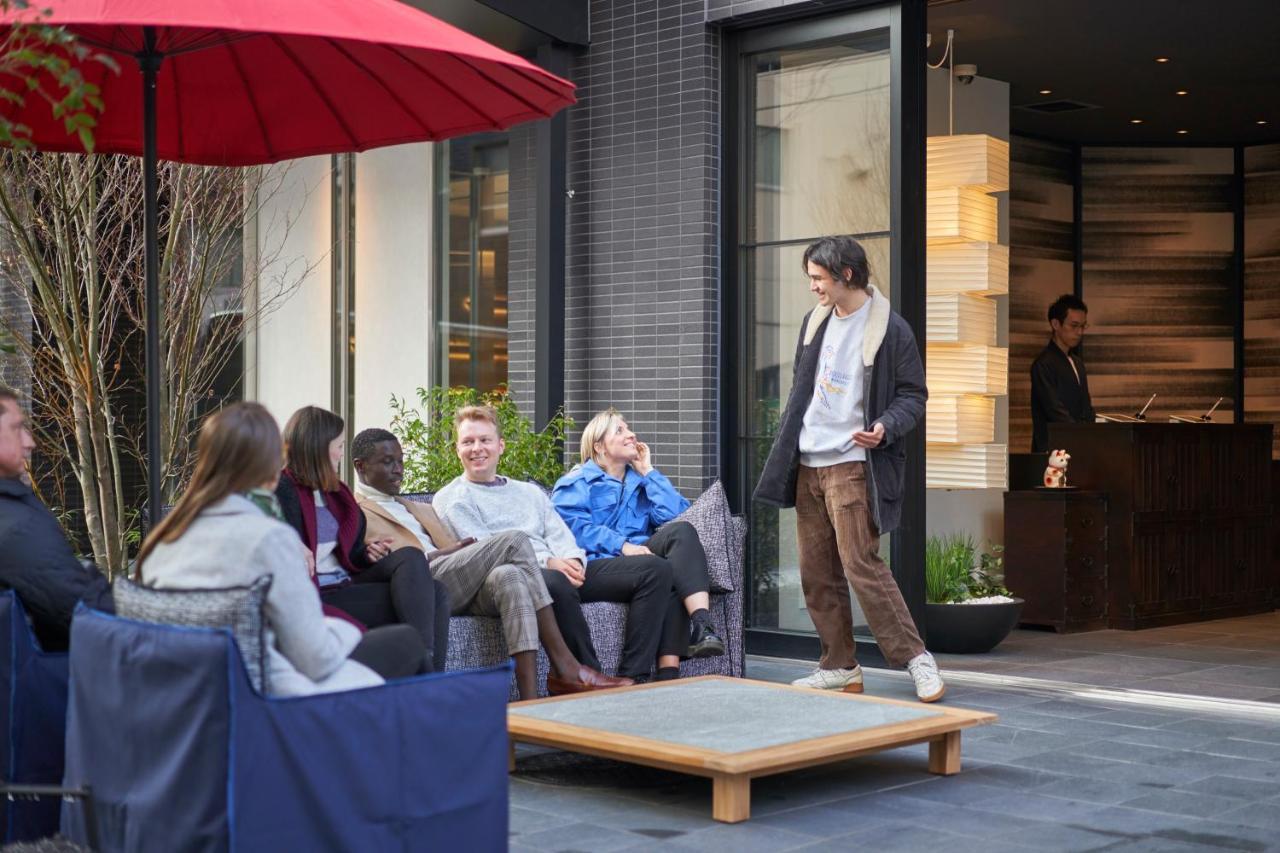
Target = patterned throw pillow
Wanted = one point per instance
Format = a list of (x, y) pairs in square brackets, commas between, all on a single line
[(710, 516), (236, 608)]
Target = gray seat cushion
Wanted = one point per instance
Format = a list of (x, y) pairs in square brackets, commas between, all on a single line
[(238, 609)]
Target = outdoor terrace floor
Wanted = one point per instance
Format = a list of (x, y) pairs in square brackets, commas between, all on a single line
[(1063, 770), (1229, 658)]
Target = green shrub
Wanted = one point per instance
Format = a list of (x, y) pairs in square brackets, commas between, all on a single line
[(947, 563), (430, 460), (953, 570)]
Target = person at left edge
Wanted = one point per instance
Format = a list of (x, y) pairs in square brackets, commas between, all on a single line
[(36, 561)]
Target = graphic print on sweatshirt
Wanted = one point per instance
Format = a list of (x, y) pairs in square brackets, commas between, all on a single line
[(832, 384)]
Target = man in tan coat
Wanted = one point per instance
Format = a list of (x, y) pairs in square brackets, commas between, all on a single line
[(498, 577)]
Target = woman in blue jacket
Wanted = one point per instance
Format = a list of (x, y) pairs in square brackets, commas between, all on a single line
[(620, 509)]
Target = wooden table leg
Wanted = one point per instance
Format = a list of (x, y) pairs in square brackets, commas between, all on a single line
[(731, 798), (944, 754), (511, 756)]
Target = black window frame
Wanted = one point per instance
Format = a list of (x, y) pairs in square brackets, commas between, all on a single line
[(906, 22)]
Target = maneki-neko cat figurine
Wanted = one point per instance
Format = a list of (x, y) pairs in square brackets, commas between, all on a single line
[(1055, 475)]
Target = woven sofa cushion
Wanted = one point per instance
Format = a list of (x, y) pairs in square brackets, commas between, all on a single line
[(710, 516), (238, 609)]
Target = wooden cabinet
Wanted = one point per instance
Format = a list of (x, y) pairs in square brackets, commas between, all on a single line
[(1189, 517), (1056, 556)]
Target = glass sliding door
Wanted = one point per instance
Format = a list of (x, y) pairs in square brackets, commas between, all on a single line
[(815, 133), (472, 178)]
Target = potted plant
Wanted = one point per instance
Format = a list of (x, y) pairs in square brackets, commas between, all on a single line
[(967, 608)]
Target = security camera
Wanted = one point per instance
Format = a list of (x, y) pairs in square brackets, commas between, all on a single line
[(966, 73)]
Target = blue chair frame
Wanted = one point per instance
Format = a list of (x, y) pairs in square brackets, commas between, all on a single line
[(182, 754), (33, 714)]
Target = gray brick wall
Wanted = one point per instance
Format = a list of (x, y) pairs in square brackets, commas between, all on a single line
[(724, 11), (643, 276), (520, 268), (642, 285)]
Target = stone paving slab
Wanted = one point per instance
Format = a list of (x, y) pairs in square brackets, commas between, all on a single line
[(1160, 779)]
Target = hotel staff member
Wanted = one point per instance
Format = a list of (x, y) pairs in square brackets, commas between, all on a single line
[(1059, 383)]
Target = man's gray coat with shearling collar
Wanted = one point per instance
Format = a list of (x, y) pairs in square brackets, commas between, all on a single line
[(894, 394)]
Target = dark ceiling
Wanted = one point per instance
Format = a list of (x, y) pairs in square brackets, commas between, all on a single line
[(1224, 53)]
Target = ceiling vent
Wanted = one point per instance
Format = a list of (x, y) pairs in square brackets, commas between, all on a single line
[(1057, 106)]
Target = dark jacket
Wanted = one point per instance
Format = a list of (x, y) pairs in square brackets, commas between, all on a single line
[(604, 513), (1057, 397), (298, 506), (894, 395), (36, 561)]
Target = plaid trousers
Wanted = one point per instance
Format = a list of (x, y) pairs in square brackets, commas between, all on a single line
[(498, 576)]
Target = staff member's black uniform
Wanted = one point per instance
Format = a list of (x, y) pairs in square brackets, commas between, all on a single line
[(1058, 394)]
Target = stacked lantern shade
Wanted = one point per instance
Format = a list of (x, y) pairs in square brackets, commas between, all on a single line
[(965, 267)]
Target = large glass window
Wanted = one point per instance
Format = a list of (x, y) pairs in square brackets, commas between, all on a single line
[(817, 145), (472, 180)]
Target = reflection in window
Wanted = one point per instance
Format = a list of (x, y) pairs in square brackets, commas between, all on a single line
[(222, 327), (818, 132), (471, 239)]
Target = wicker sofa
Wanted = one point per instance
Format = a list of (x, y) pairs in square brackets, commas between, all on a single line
[(476, 641)]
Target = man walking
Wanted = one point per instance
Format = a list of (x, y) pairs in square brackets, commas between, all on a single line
[(1059, 383), (838, 459)]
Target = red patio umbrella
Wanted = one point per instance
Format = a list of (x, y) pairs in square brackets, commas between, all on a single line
[(242, 82)]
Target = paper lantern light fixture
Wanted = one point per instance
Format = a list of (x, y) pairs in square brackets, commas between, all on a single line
[(955, 318), (973, 160), (967, 466), (968, 369), (963, 419), (964, 263), (960, 215), (979, 269)]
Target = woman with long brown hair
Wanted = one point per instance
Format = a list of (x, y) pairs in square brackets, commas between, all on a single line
[(367, 579), (219, 536)]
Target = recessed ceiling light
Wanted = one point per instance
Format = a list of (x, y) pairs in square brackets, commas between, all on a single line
[(1181, 92), (1046, 91), (1262, 121), (1182, 131), (1162, 59), (1135, 121)]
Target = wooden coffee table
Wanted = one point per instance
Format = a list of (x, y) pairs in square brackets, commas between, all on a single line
[(733, 729)]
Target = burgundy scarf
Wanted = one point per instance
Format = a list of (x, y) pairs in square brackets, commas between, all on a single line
[(344, 508)]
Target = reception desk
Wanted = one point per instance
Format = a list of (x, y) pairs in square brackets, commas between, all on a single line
[(1189, 517)]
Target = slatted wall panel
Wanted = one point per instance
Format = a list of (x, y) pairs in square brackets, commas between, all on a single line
[(1158, 278), (1041, 197), (1262, 287)]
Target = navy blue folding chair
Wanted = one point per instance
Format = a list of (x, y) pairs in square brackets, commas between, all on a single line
[(33, 714), (182, 754)]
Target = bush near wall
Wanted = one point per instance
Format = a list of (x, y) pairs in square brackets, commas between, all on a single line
[(425, 431)]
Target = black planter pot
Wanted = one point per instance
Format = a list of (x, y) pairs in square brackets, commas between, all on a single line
[(969, 628)]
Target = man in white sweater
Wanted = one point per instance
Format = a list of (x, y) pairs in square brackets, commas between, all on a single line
[(497, 577), (482, 504)]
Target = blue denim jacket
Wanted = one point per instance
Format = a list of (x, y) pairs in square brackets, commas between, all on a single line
[(603, 512)]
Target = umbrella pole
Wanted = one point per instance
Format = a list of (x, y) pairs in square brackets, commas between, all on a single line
[(149, 60)]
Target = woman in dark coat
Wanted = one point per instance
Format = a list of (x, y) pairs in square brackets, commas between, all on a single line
[(365, 579)]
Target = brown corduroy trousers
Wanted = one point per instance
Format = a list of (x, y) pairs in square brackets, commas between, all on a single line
[(839, 547)]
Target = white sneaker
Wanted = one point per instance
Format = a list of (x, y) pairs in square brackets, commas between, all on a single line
[(848, 680), (924, 669)]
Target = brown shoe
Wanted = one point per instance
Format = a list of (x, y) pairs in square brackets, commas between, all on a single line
[(588, 679)]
